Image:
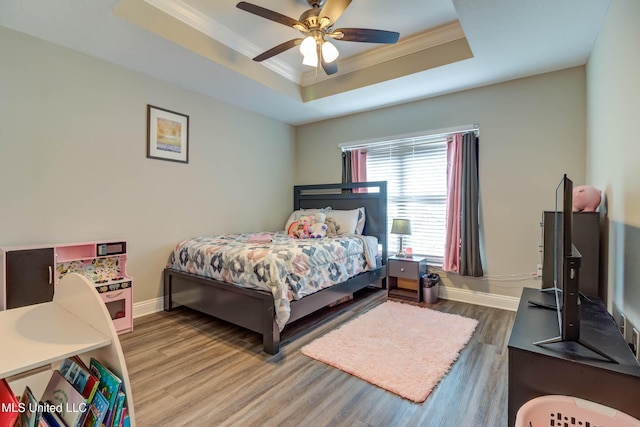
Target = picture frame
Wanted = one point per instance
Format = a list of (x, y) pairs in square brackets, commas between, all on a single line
[(167, 135)]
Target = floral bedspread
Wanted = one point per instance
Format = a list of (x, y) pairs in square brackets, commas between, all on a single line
[(288, 268)]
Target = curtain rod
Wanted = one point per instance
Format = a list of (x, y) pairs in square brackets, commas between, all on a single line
[(434, 133)]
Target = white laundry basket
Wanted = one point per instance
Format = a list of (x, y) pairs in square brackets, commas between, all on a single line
[(560, 411)]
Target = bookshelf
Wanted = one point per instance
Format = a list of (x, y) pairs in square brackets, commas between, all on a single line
[(38, 337)]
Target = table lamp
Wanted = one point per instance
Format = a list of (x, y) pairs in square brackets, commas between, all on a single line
[(401, 227)]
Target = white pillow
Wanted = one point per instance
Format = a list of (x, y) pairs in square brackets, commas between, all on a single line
[(347, 220)]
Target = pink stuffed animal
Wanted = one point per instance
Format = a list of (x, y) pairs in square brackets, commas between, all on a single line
[(300, 229), (586, 198)]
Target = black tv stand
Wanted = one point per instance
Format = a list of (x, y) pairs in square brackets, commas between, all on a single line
[(568, 368), (581, 342)]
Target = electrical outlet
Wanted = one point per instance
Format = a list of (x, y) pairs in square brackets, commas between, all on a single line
[(539, 271), (636, 343), (623, 326)]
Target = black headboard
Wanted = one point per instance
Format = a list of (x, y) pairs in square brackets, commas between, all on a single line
[(343, 197)]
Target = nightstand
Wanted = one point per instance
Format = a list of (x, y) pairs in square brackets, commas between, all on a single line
[(403, 279)]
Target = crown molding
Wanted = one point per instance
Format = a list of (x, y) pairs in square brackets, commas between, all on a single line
[(212, 28), (191, 16), (405, 46)]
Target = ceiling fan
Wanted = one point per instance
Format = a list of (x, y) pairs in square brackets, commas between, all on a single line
[(316, 24)]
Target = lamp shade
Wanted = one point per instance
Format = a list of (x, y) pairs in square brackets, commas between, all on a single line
[(308, 46), (310, 60), (329, 52), (401, 226)]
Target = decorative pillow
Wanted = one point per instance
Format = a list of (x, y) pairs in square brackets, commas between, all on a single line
[(301, 212), (361, 220), (347, 220)]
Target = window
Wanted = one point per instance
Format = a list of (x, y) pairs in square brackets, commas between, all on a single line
[(415, 169), (416, 175)]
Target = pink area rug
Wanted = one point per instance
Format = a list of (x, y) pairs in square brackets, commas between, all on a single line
[(402, 348)]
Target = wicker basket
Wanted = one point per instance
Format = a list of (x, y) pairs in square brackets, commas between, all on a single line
[(557, 411)]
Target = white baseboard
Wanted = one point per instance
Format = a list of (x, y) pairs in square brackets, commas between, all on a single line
[(445, 292), (148, 307), (479, 298)]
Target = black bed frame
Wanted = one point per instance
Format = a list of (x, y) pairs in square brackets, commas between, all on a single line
[(254, 309)]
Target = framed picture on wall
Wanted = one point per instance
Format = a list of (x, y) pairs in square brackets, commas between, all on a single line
[(167, 135)]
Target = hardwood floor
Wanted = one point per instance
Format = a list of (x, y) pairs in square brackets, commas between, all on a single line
[(187, 368)]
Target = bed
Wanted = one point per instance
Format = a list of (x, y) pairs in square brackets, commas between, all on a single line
[(257, 309)]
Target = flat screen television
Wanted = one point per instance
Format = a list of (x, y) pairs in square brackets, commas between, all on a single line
[(566, 271)]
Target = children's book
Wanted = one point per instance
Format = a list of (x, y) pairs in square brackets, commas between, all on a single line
[(123, 417), (97, 411), (10, 408), (117, 413), (28, 410), (52, 419), (67, 401), (108, 384), (77, 373)]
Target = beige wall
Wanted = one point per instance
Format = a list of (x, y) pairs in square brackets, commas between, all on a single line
[(613, 154), (73, 163), (532, 131)]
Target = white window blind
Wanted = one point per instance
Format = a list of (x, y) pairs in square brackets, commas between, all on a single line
[(416, 173)]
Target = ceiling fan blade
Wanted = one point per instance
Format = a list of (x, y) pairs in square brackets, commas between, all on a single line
[(365, 35), (269, 14), (333, 9), (278, 49), (329, 67)]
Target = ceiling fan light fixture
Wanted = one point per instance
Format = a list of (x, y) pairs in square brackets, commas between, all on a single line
[(310, 60), (315, 24), (308, 47), (329, 52)]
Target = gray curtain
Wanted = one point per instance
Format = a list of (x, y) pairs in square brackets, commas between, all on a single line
[(470, 263), (346, 167)]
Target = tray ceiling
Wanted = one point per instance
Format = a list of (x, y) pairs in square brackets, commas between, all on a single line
[(206, 46)]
